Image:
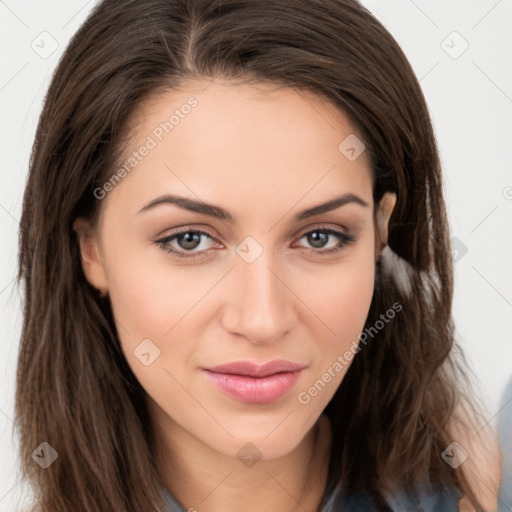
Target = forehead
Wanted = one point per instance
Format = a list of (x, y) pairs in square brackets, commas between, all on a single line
[(243, 145)]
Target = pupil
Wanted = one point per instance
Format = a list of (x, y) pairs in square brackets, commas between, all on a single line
[(190, 238), (317, 239)]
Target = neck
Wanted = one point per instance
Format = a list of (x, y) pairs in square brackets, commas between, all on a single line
[(204, 479)]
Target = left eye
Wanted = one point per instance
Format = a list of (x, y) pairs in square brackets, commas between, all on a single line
[(318, 237), (179, 244)]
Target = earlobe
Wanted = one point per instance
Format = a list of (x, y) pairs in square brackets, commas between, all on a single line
[(384, 210), (92, 264)]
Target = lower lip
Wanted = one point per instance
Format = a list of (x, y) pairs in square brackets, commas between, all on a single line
[(254, 390)]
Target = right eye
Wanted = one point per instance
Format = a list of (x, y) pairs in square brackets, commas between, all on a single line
[(183, 243)]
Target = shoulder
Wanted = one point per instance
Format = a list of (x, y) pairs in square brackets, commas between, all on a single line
[(425, 498), (482, 466), (428, 497), (170, 503), (505, 434)]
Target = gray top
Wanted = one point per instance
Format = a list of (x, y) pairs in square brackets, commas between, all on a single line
[(440, 499)]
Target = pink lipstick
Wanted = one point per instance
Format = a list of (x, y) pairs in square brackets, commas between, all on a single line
[(252, 383)]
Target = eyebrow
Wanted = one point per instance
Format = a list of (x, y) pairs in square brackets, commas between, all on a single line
[(220, 213)]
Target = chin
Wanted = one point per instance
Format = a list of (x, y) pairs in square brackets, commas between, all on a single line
[(266, 439)]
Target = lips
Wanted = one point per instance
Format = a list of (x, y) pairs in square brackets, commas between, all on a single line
[(254, 370), (252, 383)]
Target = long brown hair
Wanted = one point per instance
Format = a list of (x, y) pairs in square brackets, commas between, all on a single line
[(75, 390)]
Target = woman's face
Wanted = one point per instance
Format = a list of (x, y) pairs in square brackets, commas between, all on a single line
[(257, 276)]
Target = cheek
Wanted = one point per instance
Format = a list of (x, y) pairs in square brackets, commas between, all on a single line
[(142, 305), (351, 298), (342, 301), (151, 305), (341, 295), (150, 297), (150, 301)]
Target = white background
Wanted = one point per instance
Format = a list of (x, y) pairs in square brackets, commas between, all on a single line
[(470, 100)]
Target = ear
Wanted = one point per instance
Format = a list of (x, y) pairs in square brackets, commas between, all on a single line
[(383, 214), (92, 264)]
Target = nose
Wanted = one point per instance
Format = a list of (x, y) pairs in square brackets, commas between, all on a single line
[(261, 305)]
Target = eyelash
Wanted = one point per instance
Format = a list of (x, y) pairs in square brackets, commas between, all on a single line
[(345, 241)]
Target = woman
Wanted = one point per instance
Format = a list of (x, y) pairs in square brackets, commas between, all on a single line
[(237, 271)]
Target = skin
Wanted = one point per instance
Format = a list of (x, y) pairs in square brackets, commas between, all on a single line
[(264, 154)]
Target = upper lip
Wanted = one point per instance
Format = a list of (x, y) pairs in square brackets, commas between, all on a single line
[(251, 369)]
